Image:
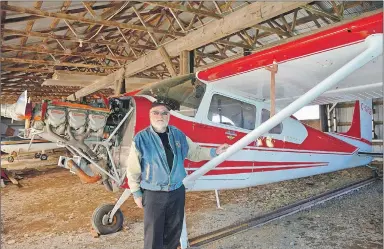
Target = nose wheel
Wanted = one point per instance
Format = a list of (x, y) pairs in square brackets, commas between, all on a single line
[(101, 222)]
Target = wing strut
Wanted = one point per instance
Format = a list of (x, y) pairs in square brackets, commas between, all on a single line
[(373, 50), (273, 69)]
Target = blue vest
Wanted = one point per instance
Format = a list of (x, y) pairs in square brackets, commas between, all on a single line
[(155, 173)]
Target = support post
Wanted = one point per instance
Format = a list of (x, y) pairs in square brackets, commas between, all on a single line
[(217, 199), (184, 235), (323, 118), (334, 120), (273, 69), (184, 62), (167, 61)]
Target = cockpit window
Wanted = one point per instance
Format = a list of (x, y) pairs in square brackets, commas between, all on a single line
[(265, 114), (184, 92), (228, 111)]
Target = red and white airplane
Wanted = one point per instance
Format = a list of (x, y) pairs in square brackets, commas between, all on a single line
[(231, 104)]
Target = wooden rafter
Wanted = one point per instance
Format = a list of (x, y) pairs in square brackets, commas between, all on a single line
[(167, 61), (68, 38), (86, 20), (64, 52), (255, 13), (320, 12), (105, 47), (27, 70), (54, 24), (72, 11), (53, 63), (37, 5), (181, 7), (111, 79), (20, 77)]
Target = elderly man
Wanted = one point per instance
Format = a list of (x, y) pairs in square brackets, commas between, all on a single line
[(155, 176)]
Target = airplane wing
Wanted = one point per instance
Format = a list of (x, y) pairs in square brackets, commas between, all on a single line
[(304, 62)]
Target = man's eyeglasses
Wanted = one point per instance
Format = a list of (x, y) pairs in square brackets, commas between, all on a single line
[(157, 113)]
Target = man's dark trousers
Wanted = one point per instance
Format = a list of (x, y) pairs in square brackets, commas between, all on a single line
[(163, 218)]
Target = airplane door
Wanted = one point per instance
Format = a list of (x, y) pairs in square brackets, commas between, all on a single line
[(227, 120)]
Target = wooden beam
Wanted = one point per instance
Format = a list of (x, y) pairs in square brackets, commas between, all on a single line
[(167, 61), (181, 7), (35, 90), (72, 39), (67, 52), (26, 70), (72, 11), (21, 77), (184, 62), (52, 82), (144, 24), (253, 14), (83, 82), (37, 5), (106, 81), (54, 24), (234, 44), (86, 20), (54, 63), (321, 13), (211, 55), (271, 30)]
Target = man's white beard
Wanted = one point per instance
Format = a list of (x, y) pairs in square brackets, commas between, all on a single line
[(160, 127)]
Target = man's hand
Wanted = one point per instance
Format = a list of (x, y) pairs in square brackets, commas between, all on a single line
[(139, 201), (222, 148)]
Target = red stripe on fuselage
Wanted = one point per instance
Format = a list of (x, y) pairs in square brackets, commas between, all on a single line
[(250, 163), (255, 170), (202, 133)]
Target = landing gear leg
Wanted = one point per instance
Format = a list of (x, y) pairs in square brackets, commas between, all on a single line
[(108, 219), (184, 235), (218, 199)]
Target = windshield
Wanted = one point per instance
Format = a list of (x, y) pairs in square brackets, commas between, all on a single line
[(184, 93)]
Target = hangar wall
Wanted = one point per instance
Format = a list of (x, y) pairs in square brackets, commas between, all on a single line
[(344, 113)]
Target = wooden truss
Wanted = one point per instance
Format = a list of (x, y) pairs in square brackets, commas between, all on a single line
[(149, 41)]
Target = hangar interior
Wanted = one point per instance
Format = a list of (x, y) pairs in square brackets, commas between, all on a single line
[(82, 51), (55, 49)]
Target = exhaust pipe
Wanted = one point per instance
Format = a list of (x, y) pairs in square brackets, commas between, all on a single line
[(81, 174)]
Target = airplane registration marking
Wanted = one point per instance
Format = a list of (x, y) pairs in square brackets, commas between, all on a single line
[(366, 108)]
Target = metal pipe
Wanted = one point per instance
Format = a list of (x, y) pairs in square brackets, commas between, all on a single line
[(81, 174), (94, 163), (374, 49), (334, 120), (118, 127), (328, 118), (122, 199), (373, 121)]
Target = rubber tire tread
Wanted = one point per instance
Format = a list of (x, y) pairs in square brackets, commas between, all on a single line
[(98, 215)]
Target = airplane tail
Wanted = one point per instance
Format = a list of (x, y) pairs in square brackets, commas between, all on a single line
[(361, 126)]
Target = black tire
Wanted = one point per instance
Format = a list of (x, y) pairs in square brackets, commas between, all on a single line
[(100, 214), (11, 159), (37, 155), (43, 157)]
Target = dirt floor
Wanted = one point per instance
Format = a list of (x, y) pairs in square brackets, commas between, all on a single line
[(53, 208), (354, 221)]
